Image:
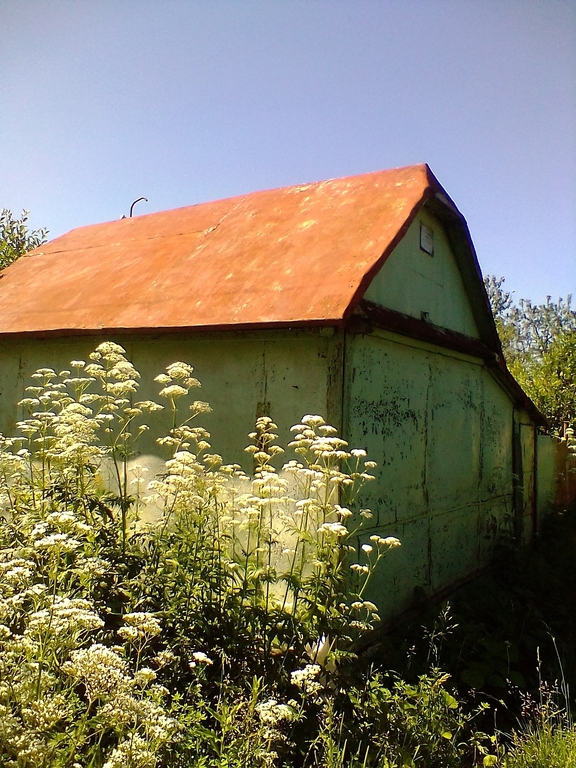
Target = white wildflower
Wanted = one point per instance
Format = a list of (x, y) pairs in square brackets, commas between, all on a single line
[(179, 370), (199, 657), (272, 713), (101, 670), (134, 751), (307, 679), (164, 658), (144, 676), (343, 512), (59, 541), (64, 615), (140, 625), (108, 348), (336, 529), (312, 421), (173, 391)]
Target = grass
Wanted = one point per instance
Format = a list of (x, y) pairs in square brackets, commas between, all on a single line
[(543, 748)]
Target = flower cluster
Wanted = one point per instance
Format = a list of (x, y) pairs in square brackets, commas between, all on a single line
[(307, 679)]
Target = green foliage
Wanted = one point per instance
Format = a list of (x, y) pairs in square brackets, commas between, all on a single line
[(539, 343), (551, 380), (206, 618), (418, 724), (198, 619), (15, 237), (506, 632), (547, 738), (528, 329), (546, 748)]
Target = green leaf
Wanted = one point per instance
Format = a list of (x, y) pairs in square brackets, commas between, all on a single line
[(473, 677), (449, 700)]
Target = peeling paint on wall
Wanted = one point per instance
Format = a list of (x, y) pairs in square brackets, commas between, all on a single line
[(439, 429)]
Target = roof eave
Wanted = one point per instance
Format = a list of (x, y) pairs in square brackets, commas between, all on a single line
[(52, 333)]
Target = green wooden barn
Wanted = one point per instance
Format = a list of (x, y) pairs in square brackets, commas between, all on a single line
[(360, 299)]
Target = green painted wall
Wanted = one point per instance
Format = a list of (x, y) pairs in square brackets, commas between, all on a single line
[(411, 281), (546, 474), (438, 424), (440, 428), (524, 457)]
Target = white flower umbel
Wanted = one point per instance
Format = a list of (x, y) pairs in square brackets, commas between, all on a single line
[(200, 658), (272, 713), (307, 679), (102, 671)]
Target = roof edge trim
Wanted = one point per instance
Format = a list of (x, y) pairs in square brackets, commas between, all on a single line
[(367, 313), (336, 322)]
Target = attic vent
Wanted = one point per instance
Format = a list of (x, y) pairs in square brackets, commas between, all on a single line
[(426, 239)]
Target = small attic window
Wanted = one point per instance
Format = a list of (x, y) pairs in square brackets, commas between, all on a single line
[(426, 239)]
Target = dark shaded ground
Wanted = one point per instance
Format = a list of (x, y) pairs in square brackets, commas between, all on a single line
[(503, 634)]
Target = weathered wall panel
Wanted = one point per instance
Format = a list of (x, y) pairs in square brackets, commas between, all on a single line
[(454, 544), (440, 428), (546, 474), (496, 480), (454, 435), (386, 414)]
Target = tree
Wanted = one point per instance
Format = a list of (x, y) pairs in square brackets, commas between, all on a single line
[(15, 237), (539, 344), (551, 380)]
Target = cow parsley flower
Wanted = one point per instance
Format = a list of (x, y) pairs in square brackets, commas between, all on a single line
[(134, 751), (140, 625), (101, 670), (307, 679), (199, 657), (272, 713)]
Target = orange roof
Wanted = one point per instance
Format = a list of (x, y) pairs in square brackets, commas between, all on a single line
[(291, 256)]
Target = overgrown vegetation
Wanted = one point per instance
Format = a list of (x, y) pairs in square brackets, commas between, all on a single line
[(223, 630), (506, 638)]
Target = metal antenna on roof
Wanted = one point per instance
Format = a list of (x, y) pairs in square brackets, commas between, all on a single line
[(134, 203)]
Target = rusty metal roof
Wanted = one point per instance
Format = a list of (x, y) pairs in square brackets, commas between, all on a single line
[(291, 256)]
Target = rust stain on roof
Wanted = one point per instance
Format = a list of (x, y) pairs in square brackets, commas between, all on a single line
[(291, 256)]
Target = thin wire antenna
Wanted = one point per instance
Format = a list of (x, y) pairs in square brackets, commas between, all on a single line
[(134, 203)]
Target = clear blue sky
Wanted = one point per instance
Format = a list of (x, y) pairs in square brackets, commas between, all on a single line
[(102, 101)]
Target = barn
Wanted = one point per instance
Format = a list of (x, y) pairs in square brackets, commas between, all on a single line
[(358, 298)]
